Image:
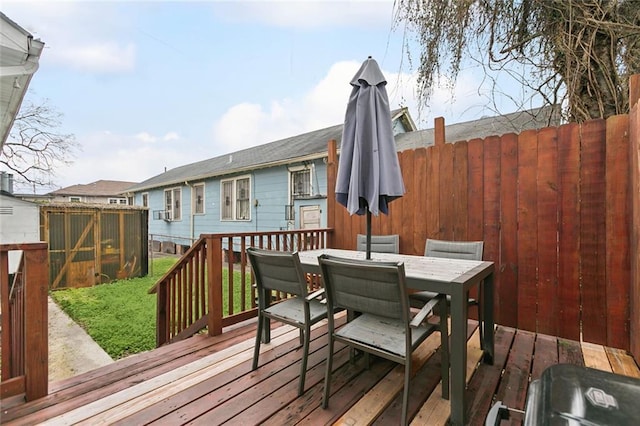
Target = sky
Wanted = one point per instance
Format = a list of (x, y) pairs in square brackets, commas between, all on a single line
[(146, 86)]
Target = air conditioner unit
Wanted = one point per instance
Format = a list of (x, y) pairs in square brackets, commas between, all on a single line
[(162, 215)]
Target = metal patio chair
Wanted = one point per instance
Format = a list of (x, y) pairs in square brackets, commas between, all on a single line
[(468, 250), (377, 290), (379, 243), (281, 271)]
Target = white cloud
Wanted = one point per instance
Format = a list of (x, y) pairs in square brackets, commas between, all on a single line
[(146, 137), (249, 124), (76, 36), (308, 14), (112, 156), (171, 136), (245, 125), (102, 57)]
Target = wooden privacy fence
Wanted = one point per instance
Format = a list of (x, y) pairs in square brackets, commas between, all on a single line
[(553, 208)]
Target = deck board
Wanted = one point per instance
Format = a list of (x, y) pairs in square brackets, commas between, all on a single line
[(513, 386), (485, 381), (208, 380)]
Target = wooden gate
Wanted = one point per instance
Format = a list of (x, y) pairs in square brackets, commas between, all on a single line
[(91, 244)]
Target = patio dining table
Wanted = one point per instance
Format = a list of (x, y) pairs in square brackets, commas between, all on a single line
[(453, 277)]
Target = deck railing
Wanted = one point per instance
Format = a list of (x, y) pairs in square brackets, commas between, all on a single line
[(211, 284), (25, 352)]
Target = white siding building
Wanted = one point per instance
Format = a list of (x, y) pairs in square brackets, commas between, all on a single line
[(19, 223)]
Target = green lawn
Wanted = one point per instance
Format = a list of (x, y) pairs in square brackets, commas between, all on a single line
[(120, 316)]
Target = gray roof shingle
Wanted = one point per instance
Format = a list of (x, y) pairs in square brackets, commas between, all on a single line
[(515, 122), (100, 188), (305, 146), (282, 151), (314, 145)]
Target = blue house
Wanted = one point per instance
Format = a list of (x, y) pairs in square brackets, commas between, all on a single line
[(276, 186)]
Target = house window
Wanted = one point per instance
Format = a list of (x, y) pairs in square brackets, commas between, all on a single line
[(173, 203), (198, 198), (129, 201), (300, 183), (74, 199), (235, 199), (113, 201), (145, 199)]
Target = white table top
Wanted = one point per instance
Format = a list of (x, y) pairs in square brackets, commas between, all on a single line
[(416, 267)]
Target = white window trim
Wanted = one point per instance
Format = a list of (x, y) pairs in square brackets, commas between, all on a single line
[(164, 201), (142, 196), (194, 199), (235, 199), (295, 169), (75, 199)]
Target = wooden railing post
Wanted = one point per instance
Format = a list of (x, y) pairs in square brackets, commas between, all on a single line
[(162, 321), (25, 340), (36, 324), (4, 308), (214, 280)]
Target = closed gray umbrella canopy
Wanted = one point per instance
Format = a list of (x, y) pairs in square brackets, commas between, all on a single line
[(369, 175)]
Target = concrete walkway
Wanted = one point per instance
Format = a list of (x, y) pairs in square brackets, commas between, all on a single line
[(71, 350)]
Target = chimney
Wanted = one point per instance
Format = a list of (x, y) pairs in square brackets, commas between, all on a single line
[(6, 182)]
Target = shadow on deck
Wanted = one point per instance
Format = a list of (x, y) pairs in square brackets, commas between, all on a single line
[(208, 380)]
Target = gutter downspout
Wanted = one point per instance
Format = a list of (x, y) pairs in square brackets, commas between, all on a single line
[(191, 214)]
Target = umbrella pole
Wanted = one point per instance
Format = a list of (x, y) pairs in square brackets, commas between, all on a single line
[(368, 234)]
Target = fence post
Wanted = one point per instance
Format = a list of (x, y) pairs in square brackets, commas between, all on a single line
[(439, 136), (634, 176), (332, 174), (634, 90), (214, 281)]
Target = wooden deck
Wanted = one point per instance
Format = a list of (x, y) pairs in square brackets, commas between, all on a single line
[(205, 380)]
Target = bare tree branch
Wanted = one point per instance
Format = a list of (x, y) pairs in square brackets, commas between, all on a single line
[(35, 148)]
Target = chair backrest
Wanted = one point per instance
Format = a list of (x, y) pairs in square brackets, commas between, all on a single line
[(468, 250), (277, 270), (370, 287), (380, 243)]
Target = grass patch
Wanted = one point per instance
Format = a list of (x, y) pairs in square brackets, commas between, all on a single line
[(121, 316)]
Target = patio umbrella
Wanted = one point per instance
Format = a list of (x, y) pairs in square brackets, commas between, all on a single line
[(369, 175)]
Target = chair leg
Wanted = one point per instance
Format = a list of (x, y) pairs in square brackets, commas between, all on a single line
[(444, 349), (327, 374), (305, 355), (405, 395), (480, 317), (256, 351), (352, 351)]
